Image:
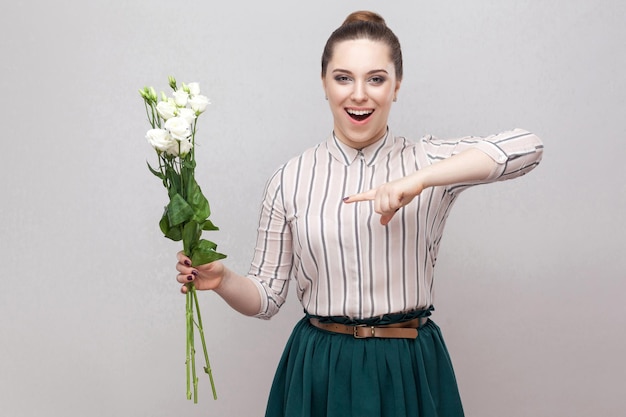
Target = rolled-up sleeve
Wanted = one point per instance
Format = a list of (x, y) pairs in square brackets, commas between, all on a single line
[(515, 152), (271, 265)]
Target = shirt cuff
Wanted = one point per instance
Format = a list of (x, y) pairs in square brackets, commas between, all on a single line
[(263, 313)]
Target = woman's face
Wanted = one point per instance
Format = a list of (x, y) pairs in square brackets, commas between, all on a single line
[(361, 85)]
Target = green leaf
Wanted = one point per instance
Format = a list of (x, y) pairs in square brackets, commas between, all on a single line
[(155, 172), (197, 201), (174, 233), (205, 253), (188, 163), (174, 180), (208, 225), (191, 236), (178, 210)]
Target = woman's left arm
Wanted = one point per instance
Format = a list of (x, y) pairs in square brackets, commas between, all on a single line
[(472, 160)]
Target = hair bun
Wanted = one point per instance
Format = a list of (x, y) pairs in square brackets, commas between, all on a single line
[(364, 16)]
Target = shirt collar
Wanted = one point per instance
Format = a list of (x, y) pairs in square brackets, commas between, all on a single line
[(372, 153)]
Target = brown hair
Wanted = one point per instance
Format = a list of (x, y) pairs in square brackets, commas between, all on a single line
[(364, 25)]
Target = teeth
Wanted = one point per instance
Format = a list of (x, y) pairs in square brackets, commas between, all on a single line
[(359, 112)]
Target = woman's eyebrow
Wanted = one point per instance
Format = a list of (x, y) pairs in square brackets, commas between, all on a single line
[(374, 71)]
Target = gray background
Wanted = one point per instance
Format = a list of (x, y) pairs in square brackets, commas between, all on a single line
[(530, 282)]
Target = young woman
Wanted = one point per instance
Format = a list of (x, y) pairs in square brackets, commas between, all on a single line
[(356, 223)]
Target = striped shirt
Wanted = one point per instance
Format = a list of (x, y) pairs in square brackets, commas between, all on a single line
[(341, 259)]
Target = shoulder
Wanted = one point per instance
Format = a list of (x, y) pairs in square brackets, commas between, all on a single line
[(293, 165), (409, 145)]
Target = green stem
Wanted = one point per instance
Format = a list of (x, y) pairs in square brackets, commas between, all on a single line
[(150, 119), (207, 368), (183, 188), (162, 168), (155, 115), (188, 317), (193, 139), (194, 378)]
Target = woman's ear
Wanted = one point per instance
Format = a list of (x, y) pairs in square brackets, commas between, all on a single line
[(395, 92)]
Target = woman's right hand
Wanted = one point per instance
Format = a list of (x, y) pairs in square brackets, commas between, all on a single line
[(204, 277), (238, 291)]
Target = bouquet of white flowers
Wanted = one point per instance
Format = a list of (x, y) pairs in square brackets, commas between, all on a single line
[(173, 120)]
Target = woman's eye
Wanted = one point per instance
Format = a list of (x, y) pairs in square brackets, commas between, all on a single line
[(342, 78), (377, 79)]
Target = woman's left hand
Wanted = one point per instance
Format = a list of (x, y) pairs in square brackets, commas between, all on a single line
[(468, 166), (390, 197)]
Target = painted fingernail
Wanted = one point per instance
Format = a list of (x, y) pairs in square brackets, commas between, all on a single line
[(187, 262), (195, 273), (189, 277), (346, 198)]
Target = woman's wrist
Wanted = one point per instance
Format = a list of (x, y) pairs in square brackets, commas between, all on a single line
[(221, 287), (419, 181)]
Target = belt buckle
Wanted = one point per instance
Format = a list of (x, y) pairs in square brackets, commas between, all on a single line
[(355, 331)]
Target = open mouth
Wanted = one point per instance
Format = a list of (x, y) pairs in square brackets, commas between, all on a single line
[(359, 115)]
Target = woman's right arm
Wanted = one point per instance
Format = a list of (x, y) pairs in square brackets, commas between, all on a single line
[(262, 292), (238, 291)]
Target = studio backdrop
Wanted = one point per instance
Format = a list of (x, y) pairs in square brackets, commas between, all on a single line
[(530, 278)]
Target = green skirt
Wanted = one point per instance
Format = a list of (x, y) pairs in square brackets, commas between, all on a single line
[(323, 374)]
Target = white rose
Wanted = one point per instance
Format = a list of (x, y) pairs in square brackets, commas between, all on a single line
[(188, 114), (178, 127), (194, 89), (166, 109), (180, 97), (180, 147), (198, 103), (160, 139)]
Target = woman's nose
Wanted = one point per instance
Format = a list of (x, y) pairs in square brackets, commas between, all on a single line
[(358, 93)]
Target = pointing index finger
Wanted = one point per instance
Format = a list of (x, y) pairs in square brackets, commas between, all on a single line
[(364, 196)]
